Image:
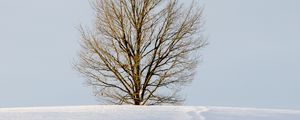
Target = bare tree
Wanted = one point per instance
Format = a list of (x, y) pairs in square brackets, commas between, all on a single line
[(141, 51)]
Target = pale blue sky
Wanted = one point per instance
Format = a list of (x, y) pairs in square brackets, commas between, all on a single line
[(252, 60)]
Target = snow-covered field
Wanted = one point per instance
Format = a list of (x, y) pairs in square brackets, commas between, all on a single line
[(145, 113)]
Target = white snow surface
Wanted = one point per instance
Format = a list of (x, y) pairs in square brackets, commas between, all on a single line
[(114, 112)]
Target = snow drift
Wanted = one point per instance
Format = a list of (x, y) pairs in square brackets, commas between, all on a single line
[(145, 113)]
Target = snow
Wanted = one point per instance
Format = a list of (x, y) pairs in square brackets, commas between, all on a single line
[(102, 112)]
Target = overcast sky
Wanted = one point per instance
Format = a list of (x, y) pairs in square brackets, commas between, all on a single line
[(252, 59)]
